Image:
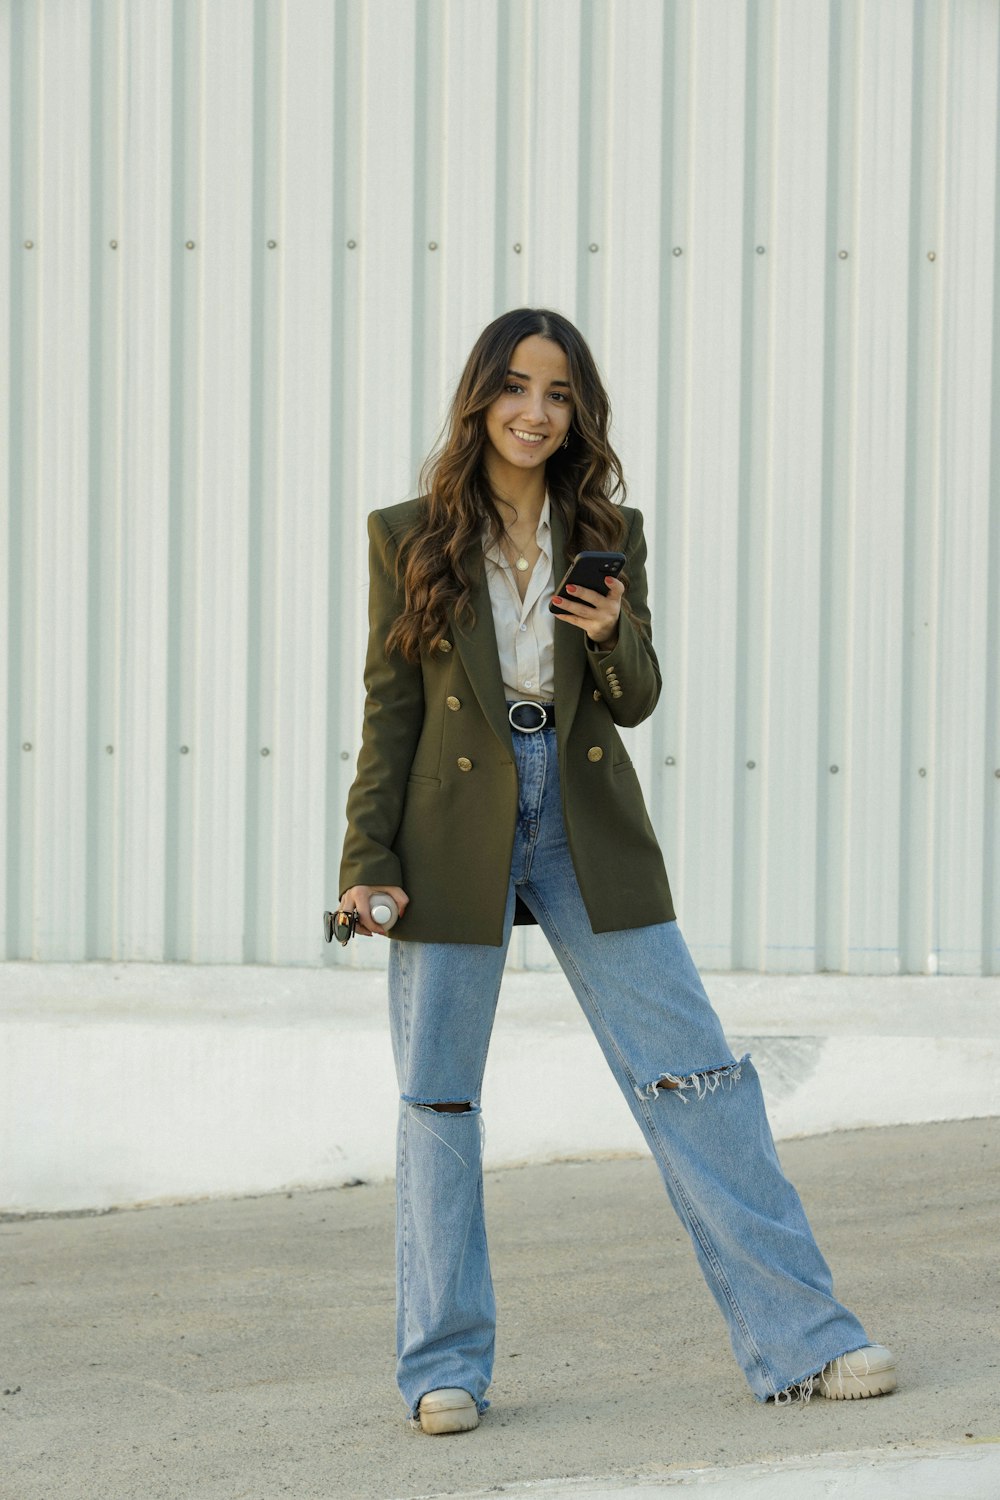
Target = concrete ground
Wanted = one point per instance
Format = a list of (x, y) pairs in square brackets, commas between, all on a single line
[(243, 1348)]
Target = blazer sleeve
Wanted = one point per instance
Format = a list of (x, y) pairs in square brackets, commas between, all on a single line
[(393, 718), (629, 675)]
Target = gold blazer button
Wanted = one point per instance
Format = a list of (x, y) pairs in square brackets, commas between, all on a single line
[(464, 763), (444, 646), (453, 703), (616, 692), (595, 753), (597, 695)]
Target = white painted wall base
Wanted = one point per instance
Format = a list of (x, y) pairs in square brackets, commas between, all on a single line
[(123, 1084)]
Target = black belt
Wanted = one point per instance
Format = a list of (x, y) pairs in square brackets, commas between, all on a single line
[(528, 716)]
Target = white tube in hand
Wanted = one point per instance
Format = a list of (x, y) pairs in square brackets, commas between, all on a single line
[(383, 909)]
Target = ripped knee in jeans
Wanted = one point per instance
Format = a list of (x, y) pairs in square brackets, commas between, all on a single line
[(700, 1083), (441, 1106)]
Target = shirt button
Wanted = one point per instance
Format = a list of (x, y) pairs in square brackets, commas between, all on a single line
[(464, 763), (595, 753), (454, 703), (523, 628), (527, 682)]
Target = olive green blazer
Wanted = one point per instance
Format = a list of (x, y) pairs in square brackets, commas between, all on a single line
[(433, 806)]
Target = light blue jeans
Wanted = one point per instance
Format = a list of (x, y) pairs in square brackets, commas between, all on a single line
[(700, 1110)]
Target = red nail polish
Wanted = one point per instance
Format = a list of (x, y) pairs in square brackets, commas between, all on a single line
[(571, 588)]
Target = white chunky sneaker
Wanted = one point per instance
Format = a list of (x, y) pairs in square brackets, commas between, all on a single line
[(448, 1410), (863, 1372)]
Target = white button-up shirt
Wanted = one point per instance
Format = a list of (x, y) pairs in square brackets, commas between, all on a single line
[(525, 630)]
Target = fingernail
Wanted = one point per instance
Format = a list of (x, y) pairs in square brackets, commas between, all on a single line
[(571, 588)]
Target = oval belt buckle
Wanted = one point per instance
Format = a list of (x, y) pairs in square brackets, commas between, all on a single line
[(532, 728)]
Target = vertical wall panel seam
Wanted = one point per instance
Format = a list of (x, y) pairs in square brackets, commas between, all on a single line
[(825, 894), (657, 562), (911, 872), (937, 476), (585, 229), (337, 499), (991, 664), (175, 590), (421, 232), (504, 237), (96, 665), (254, 948), (740, 944), (14, 789)]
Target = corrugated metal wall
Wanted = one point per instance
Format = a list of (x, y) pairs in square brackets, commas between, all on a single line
[(246, 247)]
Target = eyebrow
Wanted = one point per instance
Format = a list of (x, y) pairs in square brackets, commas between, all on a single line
[(521, 376)]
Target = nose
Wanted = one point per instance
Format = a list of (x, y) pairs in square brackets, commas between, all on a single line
[(534, 407)]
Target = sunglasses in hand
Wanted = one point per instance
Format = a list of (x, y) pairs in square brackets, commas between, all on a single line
[(340, 925)]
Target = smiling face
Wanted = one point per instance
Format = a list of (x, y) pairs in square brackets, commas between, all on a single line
[(529, 420)]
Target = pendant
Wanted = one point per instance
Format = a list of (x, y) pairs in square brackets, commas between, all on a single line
[(522, 564)]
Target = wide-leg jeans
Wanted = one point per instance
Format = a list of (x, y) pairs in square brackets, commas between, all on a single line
[(699, 1108)]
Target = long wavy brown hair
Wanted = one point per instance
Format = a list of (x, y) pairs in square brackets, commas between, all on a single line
[(584, 481)]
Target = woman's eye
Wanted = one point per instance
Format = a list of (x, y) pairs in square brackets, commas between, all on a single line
[(559, 396), (513, 389)]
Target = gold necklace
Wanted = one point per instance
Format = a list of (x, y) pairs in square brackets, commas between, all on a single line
[(520, 562)]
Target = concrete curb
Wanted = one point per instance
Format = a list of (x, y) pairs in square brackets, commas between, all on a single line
[(973, 1474), (129, 1084)]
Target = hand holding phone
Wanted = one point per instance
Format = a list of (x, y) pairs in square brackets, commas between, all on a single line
[(588, 570)]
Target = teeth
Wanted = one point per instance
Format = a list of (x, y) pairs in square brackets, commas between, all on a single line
[(529, 437)]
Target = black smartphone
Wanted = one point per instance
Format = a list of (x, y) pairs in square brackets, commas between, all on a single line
[(589, 570)]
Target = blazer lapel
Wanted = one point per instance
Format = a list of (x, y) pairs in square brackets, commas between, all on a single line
[(477, 646), (570, 643)]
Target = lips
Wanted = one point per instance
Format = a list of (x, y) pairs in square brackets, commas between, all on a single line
[(529, 439)]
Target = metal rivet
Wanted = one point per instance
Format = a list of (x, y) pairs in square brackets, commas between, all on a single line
[(670, 761), (432, 245), (109, 749), (265, 751), (678, 250), (29, 244), (517, 248), (352, 244), (272, 244), (751, 765), (842, 254), (922, 771), (931, 255), (834, 770), (760, 249), (343, 755), (184, 750), (114, 244), (189, 244), (593, 249), (26, 745)]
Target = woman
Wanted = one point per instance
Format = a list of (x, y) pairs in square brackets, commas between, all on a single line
[(493, 787)]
